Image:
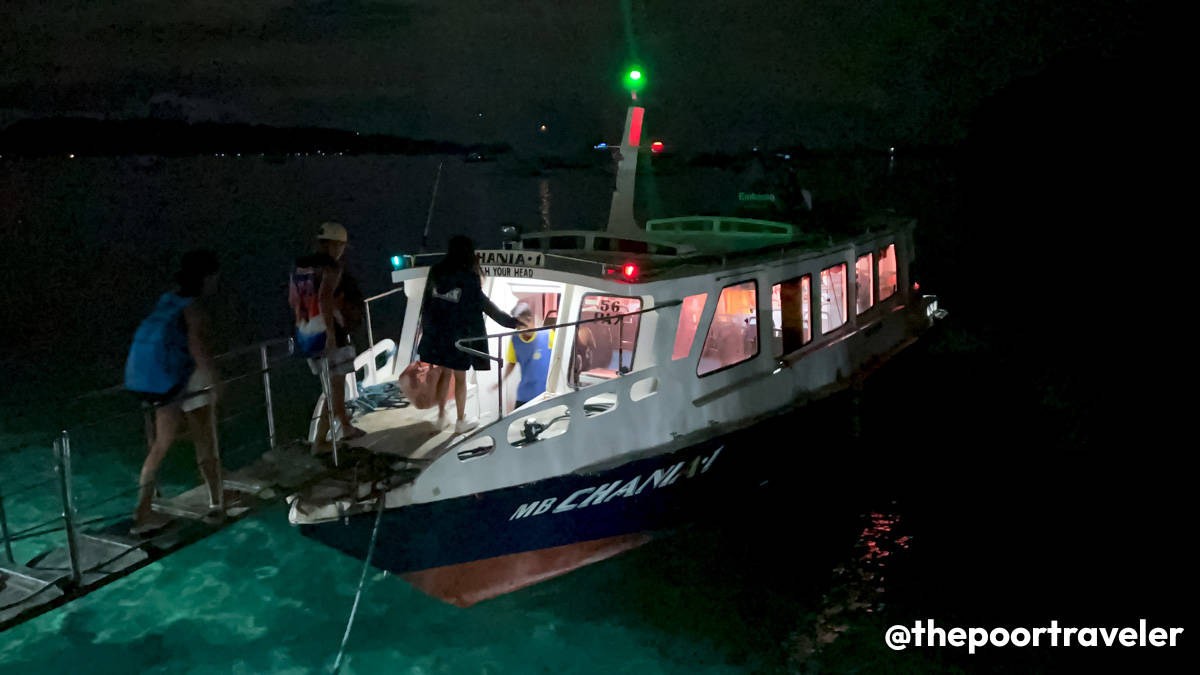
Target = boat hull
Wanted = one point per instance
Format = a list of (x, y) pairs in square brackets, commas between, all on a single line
[(615, 509)]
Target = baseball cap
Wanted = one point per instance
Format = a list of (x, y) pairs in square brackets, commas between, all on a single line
[(332, 231)]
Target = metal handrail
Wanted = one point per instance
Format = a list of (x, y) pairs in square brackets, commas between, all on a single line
[(458, 344), (609, 317), (370, 329), (117, 388), (62, 447), (258, 346)]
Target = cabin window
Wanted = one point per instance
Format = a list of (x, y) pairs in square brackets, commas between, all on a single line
[(565, 242), (689, 321), (833, 298), (888, 281), (733, 334), (864, 283), (604, 349), (791, 314)]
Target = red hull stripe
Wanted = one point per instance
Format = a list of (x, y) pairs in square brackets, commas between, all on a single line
[(468, 583)]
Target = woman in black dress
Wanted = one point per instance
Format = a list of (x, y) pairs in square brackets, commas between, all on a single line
[(454, 305)]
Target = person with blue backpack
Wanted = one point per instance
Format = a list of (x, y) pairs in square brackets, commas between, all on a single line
[(171, 367)]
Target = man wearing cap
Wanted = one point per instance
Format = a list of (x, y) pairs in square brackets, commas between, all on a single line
[(317, 294), (530, 350)]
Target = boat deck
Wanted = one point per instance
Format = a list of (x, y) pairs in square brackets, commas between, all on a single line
[(409, 432)]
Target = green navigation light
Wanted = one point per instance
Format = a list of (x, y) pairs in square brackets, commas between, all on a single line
[(635, 79), (397, 262)]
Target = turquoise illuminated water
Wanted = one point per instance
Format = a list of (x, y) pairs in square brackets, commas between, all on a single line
[(258, 597), (748, 589)]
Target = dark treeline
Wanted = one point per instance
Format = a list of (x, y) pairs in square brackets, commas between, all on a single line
[(95, 137)]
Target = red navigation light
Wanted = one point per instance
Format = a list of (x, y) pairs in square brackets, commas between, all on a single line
[(635, 126), (916, 286), (656, 146), (629, 270)]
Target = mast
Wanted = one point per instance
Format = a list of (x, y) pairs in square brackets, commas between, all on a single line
[(620, 213)]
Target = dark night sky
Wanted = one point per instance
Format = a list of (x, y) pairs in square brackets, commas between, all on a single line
[(723, 74)]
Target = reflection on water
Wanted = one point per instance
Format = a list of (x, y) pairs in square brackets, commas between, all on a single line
[(857, 587)]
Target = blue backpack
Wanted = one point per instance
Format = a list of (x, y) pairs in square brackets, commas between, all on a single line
[(159, 359)]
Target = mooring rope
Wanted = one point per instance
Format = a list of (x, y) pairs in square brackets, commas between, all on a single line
[(337, 664)]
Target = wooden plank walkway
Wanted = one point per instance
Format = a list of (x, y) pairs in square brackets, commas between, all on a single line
[(110, 553)]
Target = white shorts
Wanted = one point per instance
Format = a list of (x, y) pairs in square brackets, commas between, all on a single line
[(198, 380), (341, 362)]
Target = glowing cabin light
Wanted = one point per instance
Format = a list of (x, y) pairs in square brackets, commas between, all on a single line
[(656, 146)]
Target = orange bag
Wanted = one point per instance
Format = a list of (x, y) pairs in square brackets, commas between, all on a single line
[(419, 384)]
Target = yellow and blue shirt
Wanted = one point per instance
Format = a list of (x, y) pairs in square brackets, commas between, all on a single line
[(533, 355)]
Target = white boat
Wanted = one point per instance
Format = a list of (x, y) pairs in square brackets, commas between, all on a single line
[(671, 339)]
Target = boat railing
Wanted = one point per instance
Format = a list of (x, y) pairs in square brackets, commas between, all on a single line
[(371, 366), (500, 337), (69, 519)]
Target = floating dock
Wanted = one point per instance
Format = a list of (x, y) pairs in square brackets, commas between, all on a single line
[(106, 554)]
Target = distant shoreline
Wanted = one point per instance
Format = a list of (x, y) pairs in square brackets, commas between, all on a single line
[(91, 137), (87, 137)]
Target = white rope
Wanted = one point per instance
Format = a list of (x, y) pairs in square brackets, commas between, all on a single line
[(337, 663)]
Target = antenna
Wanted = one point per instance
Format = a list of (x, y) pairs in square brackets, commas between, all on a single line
[(432, 201)]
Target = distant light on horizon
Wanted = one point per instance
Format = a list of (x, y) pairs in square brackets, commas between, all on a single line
[(542, 128)]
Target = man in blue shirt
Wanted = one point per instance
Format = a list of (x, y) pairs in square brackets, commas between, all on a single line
[(530, 350)]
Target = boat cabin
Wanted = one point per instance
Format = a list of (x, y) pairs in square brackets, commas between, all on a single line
[(680, 330)]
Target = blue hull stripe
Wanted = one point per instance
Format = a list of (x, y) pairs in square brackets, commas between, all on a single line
[(519, 519)]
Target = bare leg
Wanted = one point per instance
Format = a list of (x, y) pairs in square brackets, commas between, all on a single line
[(321, 443), (460, 392), (166, 423), (443, 385), (338, 384), (200, 425)]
